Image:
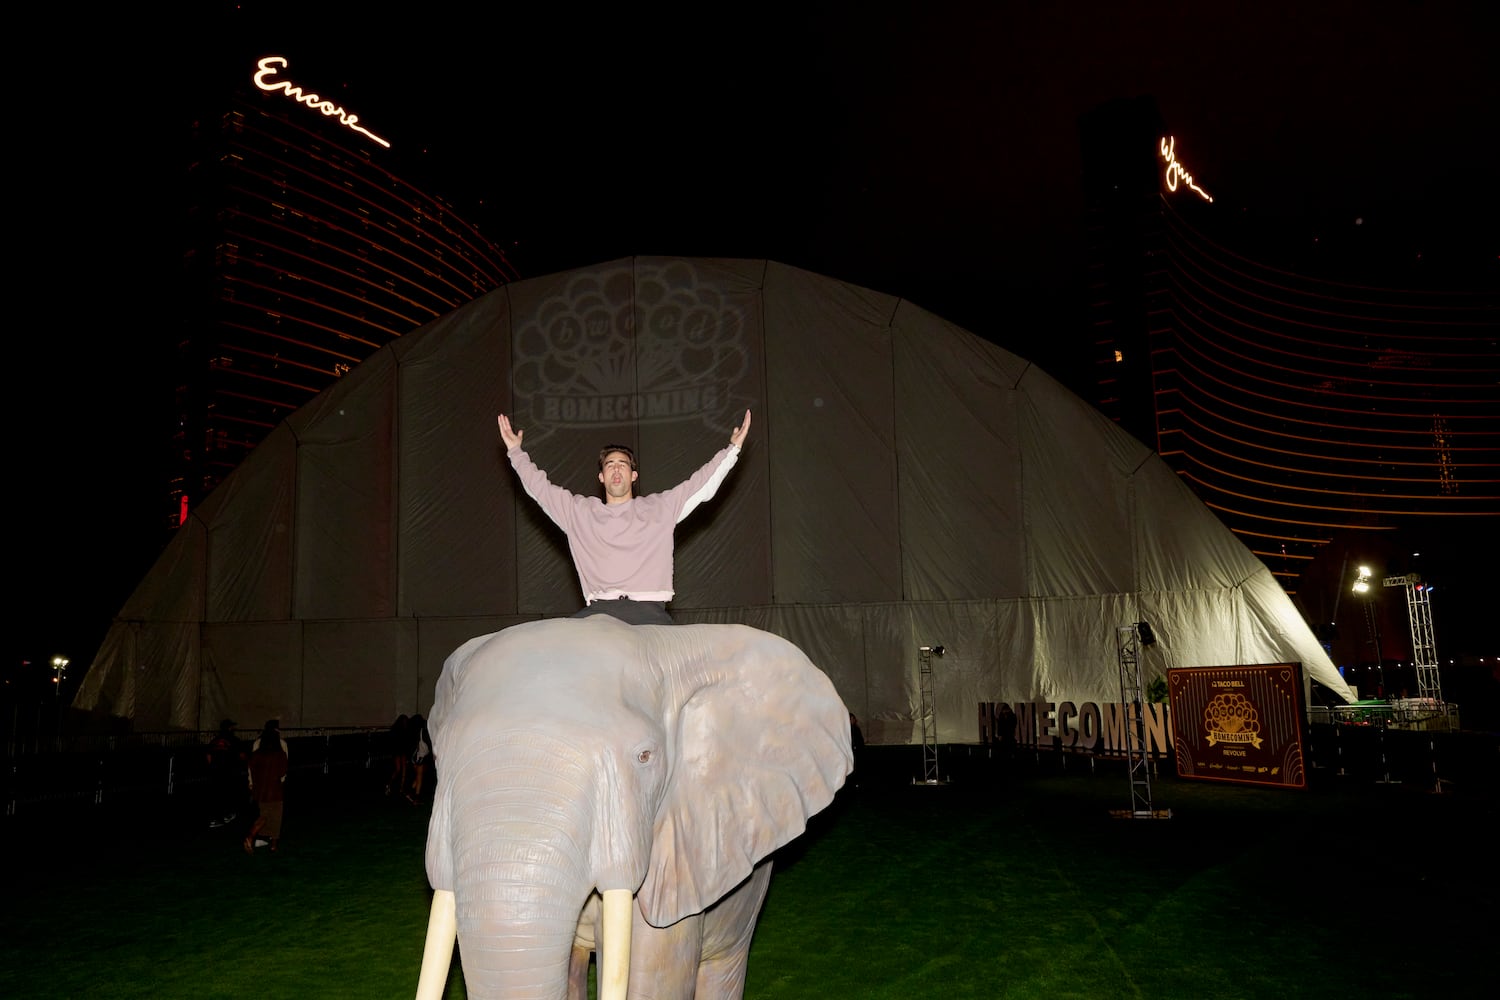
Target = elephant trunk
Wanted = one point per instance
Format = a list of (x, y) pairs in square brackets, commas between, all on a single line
[(522, 870), (517, 926), (614, 945)]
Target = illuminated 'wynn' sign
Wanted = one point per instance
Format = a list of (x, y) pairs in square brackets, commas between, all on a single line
[(265, 74), (1176, 173)]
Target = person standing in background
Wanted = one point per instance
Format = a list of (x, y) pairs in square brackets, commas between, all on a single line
[(268, 770), (401, 749), (226, 775), (857, 748), (421, 757)]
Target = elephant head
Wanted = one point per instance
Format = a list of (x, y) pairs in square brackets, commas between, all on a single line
[(585, 755)]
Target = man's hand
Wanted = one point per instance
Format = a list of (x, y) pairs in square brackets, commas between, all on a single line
[(512, 438), (737, 436)]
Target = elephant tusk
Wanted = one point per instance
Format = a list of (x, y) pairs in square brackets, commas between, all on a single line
[(614, 944), (442, 930)]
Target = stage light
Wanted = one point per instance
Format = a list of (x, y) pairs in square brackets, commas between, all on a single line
[(1361, 587), (938, 650), (1148, 637)]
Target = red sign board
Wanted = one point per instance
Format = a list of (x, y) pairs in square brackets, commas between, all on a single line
[(1244, 724)]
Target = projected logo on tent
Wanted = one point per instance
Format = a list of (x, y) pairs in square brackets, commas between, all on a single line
[(650, 344)]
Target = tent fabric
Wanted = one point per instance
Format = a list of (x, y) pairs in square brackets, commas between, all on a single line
[(905, 483)]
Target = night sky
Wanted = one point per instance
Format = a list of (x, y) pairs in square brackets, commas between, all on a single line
[(925, 154)]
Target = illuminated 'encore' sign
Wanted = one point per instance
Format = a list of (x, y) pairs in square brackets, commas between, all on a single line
[(265, 73), (1176, 172)]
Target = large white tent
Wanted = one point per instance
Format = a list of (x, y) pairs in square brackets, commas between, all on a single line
[(905, 483)]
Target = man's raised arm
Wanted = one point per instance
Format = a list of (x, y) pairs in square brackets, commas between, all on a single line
[(705, 482), (554, 500)]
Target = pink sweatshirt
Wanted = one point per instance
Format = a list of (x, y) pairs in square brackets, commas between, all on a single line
[(622, 549)]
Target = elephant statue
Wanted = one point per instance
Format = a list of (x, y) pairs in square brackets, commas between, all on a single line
[(618, 789)]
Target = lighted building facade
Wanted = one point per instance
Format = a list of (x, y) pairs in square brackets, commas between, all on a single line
[(1335, 393), (306, 252)]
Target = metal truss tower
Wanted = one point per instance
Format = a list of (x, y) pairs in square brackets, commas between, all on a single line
[(929, 714), (1128, 640), (1423, 651)]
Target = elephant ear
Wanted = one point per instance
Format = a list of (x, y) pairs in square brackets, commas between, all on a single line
[(758, 742)]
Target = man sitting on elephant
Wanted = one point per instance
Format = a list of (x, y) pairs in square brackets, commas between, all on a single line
[(622, 545)]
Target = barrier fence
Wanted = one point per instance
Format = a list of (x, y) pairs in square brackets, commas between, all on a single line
[(1401, 713), (1364, 745), (170, 766)]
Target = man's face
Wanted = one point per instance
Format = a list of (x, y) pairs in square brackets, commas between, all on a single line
[(618, 477)]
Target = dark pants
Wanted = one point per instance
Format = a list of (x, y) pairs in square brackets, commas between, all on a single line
[(230, 792), (630, 612)]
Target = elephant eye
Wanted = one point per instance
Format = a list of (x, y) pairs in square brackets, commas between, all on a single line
[(643, 757)]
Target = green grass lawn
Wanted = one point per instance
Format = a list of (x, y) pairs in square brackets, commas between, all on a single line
[(1003, 885)]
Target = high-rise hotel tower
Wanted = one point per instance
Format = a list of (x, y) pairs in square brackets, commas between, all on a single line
[(1305, 396), (306, 251)]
